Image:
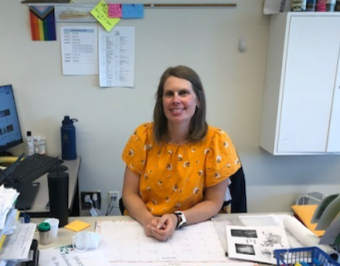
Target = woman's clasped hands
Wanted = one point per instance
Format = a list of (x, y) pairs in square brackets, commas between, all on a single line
[(161, 228)]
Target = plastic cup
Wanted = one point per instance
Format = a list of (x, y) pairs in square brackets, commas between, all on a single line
[(54, 223)]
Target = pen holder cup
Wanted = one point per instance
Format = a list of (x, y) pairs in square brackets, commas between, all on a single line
[(44, 233)]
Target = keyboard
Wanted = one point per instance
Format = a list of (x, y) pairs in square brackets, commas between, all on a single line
[(32, 168)]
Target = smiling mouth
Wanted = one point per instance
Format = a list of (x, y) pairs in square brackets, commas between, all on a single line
[(177, 110)]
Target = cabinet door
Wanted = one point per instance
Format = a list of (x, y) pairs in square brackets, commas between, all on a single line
[(309, 76), (334, 128)]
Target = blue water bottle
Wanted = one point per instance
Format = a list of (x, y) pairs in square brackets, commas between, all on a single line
[(68, 139)]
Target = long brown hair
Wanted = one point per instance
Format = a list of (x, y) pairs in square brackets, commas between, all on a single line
[(198, 125)]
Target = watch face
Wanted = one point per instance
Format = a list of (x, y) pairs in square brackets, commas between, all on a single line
[(181, 219)]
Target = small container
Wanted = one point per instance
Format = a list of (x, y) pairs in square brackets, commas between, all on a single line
[(310, 5), (337, 6), (39, 145), (299, 5), (29, 143), (330, 6), (44, 233), (320, 5), (54, 223)]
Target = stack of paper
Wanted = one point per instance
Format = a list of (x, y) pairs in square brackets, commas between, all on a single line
[(7, 199), (15, 238)]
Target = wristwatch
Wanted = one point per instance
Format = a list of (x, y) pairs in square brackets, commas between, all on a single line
[(181, 221)]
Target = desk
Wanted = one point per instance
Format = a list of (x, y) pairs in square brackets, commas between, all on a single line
[(39, 207), (65, 235), (220, 222)]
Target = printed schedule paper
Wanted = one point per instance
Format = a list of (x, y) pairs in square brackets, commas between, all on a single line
[(125, 241), (116, 57), (79, 50)]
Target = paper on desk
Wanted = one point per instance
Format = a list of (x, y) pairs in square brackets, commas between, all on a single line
[(270, 220), (11, 222), (234, 263), (67, 256), (7, 199), (262, 220), (123, 241), (256, 243), (17, 245)]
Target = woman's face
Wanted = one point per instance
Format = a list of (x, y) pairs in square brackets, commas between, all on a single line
[(179, 100)]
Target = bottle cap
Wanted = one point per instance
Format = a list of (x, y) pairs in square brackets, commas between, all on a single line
[(68, 121), (44, 227)]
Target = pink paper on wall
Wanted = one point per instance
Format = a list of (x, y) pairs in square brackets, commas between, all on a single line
[(114, 10)]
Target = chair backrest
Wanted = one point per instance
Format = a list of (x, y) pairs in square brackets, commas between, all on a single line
[(121, 206), (238, 192)]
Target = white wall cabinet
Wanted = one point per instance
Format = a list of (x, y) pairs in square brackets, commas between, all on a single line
[(301, 104)]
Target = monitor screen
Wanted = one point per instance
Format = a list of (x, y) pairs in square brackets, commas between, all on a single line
[(10, 133)]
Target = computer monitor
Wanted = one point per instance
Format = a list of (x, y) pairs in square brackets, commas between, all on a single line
[(10, 132)]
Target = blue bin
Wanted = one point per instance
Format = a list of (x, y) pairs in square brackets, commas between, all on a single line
[(308, 255)]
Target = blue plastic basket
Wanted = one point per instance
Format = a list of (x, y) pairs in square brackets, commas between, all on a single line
[(310, 255)]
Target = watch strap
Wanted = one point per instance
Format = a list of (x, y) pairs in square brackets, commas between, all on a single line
[(181, 220)]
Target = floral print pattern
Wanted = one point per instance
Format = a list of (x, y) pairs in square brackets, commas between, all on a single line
[(174, 177)]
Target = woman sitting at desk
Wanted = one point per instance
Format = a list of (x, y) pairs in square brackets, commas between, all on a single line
[(177, 168)]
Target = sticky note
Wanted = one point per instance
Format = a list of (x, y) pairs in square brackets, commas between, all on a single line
[(114, 10), (132, 11), (99, 12), (77, 226)]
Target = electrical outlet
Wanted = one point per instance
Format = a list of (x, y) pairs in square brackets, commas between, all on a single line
[(115, 196), (87, 205)]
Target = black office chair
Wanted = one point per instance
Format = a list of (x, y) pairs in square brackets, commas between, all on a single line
[(121, 206), (237, 188)]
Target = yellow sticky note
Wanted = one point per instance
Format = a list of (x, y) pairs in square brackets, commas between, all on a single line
[(99, 12), (77, 226)]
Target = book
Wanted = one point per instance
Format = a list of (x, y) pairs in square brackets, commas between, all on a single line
[(255, 243)]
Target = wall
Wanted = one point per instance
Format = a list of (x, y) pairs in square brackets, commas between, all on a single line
[(203, 38)]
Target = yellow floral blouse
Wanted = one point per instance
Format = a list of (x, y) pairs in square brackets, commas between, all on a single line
[(173, 177)]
